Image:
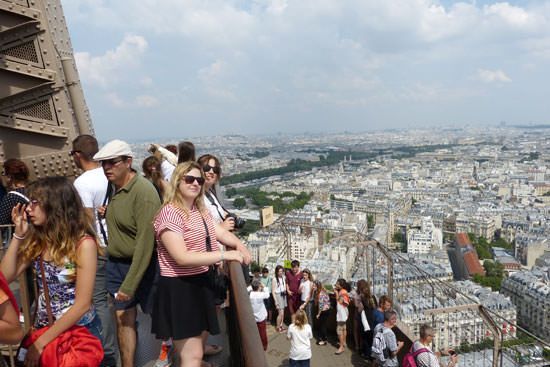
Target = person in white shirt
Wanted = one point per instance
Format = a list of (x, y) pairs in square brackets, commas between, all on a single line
[(257, 297), (425, 357), (299, 333), (92, 189), (278, 289), (306, 291)]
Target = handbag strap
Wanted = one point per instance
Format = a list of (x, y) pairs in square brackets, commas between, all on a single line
[(46, 292), (108, 194), (208, 243)]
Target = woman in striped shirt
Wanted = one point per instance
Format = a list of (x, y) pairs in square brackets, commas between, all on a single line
[(184, 306)]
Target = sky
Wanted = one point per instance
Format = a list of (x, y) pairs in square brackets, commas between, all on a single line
[(184, 68)]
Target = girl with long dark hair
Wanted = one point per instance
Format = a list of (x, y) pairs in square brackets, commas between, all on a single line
[(278, 290), (53, 234)]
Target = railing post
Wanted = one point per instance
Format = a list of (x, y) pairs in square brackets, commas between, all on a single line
[(252, 351)]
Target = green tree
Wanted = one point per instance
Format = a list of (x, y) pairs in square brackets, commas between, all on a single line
[(398, 237), (370, 221), (255, 267), (239, 203)]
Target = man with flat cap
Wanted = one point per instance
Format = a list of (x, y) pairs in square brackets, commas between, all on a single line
[(131, 265)]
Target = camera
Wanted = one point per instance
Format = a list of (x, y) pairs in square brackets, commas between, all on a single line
[(239, 222)]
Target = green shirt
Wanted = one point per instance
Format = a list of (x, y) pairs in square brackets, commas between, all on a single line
[(130, 225)]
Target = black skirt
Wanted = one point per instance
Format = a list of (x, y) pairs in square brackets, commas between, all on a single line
[(184, 307)]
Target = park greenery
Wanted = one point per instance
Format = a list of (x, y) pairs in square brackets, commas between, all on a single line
[(494, 274), (282, 203), (328, 159), (484, 247)]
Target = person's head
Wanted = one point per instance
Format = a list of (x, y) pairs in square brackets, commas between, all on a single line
[(58, 219), (116, 159), (84, 148), (427, 333), (363, 290), (307, 274), (300, 319), (385, 303), (186, 151), (279, 271), (212, 169), (151, 167), (256, 284), (187, 187), (15, 172), (360, 286), (390, 318), (265, 272), (319, 286), (295, 266), (172, 148), (341, 284)]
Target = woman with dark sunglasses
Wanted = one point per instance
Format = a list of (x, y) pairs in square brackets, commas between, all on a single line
[(212, 172), (188, 241)]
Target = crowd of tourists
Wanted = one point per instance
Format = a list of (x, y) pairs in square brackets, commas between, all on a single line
[(157, 240), (116, 239), (307, 304)]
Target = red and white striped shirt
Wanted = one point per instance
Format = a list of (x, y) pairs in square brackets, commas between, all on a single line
[(172, 218)]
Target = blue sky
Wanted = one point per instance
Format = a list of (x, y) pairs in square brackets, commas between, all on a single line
[(184, 68)]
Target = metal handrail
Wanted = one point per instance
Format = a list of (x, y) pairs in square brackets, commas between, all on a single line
[(247, 351)]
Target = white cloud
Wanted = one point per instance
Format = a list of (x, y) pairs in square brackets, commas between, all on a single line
[(106, 69), (146, 101), (146, 81), (492, 76), (141, 101)]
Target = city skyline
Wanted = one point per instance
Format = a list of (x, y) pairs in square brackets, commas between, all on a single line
[(263, 67)]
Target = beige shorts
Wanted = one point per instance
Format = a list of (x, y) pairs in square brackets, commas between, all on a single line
[(340, 327)]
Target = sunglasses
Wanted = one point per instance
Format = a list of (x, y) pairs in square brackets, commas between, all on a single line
[(112, 162), (190, 179), (73, 152), (207, 168), (33, 203)]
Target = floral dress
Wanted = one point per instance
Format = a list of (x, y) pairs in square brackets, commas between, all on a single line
[(324, 301), (61, 282)]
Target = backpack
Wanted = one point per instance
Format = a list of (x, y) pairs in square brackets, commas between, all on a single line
[(409, 360), (379, 349)]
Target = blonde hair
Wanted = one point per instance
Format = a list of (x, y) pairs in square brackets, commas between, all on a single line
[(66, 222), (173, 195), (300, 319)]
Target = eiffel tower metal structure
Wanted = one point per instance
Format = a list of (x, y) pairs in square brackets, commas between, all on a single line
[(42, 106)]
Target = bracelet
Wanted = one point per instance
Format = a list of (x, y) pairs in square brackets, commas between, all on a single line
[(19, 237), (221, 252)]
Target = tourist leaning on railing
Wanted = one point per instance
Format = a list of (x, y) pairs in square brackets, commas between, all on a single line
[(187, 244)]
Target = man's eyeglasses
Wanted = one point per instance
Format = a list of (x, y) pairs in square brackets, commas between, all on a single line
[(188, 179), (112, 162), (73, 152), (207, 168)]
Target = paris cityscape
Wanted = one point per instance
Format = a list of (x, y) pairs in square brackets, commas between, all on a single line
[(466, 208)]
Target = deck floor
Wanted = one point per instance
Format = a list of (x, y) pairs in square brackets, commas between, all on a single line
[(279, 346)]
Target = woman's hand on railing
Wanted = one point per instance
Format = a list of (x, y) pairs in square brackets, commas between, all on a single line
[(247, 257), (19, 219), (234, 255)]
